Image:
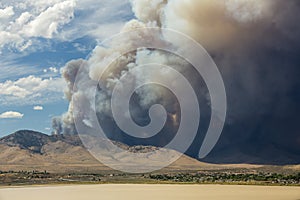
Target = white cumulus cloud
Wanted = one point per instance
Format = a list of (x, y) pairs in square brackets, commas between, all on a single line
[(31, 90), (11, 115), (53, 69), (6, 12), (47, 23), (24, 23), (38, 108)]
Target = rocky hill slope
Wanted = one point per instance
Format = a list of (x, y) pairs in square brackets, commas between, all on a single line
[(29, 150)]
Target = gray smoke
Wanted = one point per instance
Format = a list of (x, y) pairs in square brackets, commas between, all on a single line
[(254, 43)]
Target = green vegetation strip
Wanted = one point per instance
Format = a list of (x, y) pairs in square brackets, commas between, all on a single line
[(21, 178)]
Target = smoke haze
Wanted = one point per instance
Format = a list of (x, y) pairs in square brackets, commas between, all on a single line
[(254, 43)]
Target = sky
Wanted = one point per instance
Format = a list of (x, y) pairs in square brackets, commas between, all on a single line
[(37, 38), (255, 45)]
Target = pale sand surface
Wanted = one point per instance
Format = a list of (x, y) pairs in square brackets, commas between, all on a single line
[(151, 192)]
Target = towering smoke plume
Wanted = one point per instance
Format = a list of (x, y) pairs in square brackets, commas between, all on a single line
[(256, 47)]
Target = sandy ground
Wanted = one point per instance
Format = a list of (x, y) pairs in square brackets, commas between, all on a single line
[(150, 192)]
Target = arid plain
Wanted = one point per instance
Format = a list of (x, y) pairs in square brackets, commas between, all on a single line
[(149, 192)]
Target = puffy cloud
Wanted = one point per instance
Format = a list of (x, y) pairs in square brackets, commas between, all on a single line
[(6, 12), (8, 37), (53, 69), (11, 115), (38, 108), (27, 20), (24, 23), (31, 90), (47, 23)]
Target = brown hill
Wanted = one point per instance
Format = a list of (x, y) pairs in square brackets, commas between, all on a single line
[(29, 150)]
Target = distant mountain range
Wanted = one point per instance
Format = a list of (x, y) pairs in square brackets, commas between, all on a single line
[(30, 150)]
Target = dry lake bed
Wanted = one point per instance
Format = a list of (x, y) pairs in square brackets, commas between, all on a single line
[(151, 192)]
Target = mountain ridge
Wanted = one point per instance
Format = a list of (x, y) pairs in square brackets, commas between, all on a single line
[(32, 150)]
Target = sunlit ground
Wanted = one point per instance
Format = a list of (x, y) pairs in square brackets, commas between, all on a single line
[(149, 192)]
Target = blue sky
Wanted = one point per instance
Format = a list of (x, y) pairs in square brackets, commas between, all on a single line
[(37, 38)]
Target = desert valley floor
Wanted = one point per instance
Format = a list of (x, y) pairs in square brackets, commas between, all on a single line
[(149, 192)]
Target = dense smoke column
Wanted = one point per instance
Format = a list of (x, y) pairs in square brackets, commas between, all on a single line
[(141, 117), (65, 123), (256, 47)]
